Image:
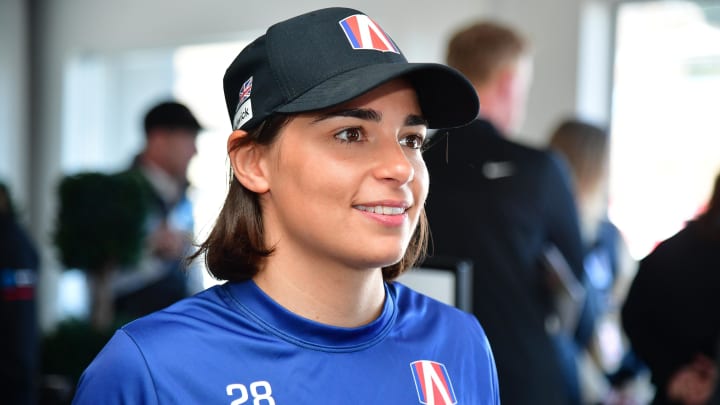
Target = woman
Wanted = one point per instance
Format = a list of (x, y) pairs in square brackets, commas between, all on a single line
[(325, 209)]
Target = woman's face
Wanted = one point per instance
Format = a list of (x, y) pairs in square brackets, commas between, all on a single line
[(347, 184)]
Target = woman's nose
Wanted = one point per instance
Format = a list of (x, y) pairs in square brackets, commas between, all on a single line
[(394, 164)]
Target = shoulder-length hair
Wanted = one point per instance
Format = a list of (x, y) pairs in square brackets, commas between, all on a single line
[(236, 248)]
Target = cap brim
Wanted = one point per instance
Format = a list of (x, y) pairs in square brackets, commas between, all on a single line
[(446, 97)]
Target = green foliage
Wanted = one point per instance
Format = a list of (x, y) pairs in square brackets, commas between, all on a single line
[(100, 221), (69, 349)]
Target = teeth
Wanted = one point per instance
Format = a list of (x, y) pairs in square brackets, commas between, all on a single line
[(379, 209)]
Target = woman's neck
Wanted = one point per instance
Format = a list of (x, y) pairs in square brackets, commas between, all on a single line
[(329, 295)]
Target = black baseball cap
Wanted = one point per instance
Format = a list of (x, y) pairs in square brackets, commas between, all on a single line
[(327, 57), (171, 115)]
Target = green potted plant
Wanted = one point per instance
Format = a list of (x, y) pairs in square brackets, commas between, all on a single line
[(100, 229)]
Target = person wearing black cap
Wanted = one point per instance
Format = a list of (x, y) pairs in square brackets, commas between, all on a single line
[(324, 211), (161, 278)]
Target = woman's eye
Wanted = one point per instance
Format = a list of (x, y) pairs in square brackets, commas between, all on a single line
[(349, 135), (412, 141)]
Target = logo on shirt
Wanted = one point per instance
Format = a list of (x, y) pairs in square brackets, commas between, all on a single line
[(17, 284), (363, 33), (497, 170), (432, 383)]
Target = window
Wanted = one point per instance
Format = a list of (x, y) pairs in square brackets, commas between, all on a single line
[(665, 131), (198, 82), (105, 98)]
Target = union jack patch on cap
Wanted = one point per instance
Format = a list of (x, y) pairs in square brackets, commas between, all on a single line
[(245, 90), (243, 111)]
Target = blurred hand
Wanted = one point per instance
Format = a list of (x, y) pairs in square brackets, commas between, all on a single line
[(619, 397), (169, 243), (694, 383)]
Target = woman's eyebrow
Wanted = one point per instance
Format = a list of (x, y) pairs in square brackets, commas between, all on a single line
[(412, 120), (369, 115), (361, 113)]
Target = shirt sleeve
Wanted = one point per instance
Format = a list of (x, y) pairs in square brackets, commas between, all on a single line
[(494, 384), (489, 375), (643, 320), (118, 375)]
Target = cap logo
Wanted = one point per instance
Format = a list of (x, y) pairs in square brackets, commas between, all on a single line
[(363, 33), (243, 112), (245, 91)]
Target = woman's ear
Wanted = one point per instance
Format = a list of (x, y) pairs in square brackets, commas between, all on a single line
[(247, 162)]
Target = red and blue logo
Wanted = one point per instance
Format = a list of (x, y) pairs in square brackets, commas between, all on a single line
[(432, 383), (245, 91), (363, 33)]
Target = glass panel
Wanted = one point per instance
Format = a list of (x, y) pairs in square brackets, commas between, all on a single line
[(199, 70), (665, 129)]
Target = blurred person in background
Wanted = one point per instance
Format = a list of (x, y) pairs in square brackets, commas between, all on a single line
[(609, 268), (672, 311), (19, 334), (503, 205), (162, 277)]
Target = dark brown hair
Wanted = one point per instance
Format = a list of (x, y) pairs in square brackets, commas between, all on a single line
[(480, 49), (235, 248)]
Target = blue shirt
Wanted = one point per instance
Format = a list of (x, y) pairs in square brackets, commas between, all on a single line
[(232, 344)]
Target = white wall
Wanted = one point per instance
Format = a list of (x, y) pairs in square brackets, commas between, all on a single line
[(14, 139), (552, 28), (566, 81)]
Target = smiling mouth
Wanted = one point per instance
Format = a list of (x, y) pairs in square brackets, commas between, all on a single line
[(382, 209)]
